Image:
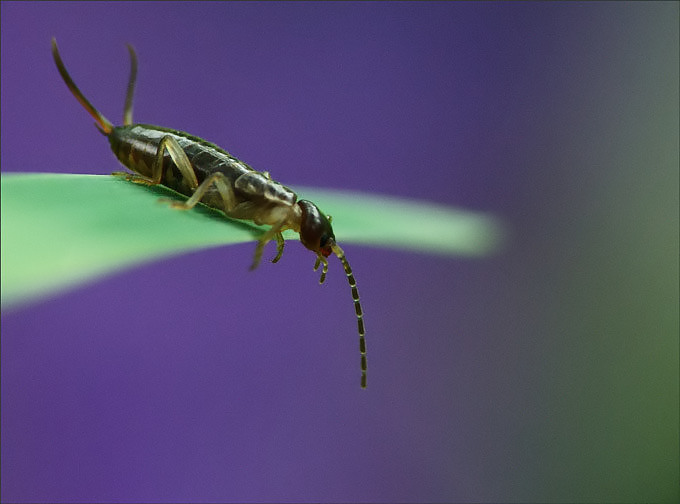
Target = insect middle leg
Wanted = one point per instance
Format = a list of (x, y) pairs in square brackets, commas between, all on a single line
[(280, 242), (223, 188), (181, 161), (221, 183)]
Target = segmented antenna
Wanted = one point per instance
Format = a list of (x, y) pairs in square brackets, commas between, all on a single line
[(127, 111), (357, 308)]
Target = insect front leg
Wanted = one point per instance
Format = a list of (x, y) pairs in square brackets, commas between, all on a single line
[(280, 242), (274, 232)]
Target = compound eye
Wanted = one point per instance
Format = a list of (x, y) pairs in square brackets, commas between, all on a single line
[(325, 245)]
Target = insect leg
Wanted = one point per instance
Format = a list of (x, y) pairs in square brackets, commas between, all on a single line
[(134, 177), (222, 186), (280, 242), (178, 157), (275, 231), (183, 164)]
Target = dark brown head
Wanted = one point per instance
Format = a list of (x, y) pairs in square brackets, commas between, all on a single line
[(316, 232)]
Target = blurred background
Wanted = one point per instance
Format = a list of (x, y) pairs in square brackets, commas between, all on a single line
[(545, 372)]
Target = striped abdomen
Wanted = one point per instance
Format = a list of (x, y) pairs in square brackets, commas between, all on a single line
[(136, 146)]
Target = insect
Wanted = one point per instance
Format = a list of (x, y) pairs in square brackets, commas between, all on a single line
[(205, 173)]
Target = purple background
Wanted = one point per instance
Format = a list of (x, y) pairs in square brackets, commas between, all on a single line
[(546, 372)]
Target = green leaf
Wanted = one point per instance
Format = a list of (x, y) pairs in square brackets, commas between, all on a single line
[(60, 230)]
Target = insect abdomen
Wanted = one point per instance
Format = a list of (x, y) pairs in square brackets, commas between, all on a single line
[(136, 147)]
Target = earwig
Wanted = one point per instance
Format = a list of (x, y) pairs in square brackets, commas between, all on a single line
[(210, 175)]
